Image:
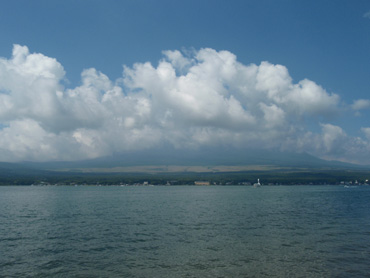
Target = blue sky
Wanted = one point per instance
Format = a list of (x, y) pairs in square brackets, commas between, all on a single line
[(326, 42)]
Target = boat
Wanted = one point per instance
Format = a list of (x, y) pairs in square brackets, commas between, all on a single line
[(257, 184)]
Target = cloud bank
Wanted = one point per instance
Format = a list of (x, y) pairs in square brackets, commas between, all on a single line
[(206, 98)]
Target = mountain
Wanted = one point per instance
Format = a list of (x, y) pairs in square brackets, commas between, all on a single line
[(20, 169), (204, 157), (221, 166)]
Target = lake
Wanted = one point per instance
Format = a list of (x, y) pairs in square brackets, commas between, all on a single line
[(184, 231)]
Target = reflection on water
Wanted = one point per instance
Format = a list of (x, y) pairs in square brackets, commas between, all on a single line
[(184, 231)]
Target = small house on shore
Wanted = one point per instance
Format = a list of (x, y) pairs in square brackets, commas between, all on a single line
[(201, 183)]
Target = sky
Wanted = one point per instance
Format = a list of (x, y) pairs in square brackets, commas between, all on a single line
[(84, 79)]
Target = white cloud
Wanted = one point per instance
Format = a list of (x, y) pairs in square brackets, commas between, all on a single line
[(332, 136), (189, 101), (367, 15), (366, 131), (361, 104)]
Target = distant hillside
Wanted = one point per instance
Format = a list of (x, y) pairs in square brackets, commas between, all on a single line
[(210, 157), (179, 168), (11, 169)]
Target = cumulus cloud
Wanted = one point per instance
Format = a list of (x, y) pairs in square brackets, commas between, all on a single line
[(361, 104), (366, 131), (201, 98)]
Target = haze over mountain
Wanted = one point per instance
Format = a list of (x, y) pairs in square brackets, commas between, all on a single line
[(251, 159)]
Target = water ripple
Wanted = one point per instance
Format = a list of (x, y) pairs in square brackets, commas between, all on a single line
[(184, 232)]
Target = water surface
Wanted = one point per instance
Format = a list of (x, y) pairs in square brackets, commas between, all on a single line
[(185, 231)]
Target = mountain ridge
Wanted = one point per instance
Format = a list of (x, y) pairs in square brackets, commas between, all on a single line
[(204, 158)]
